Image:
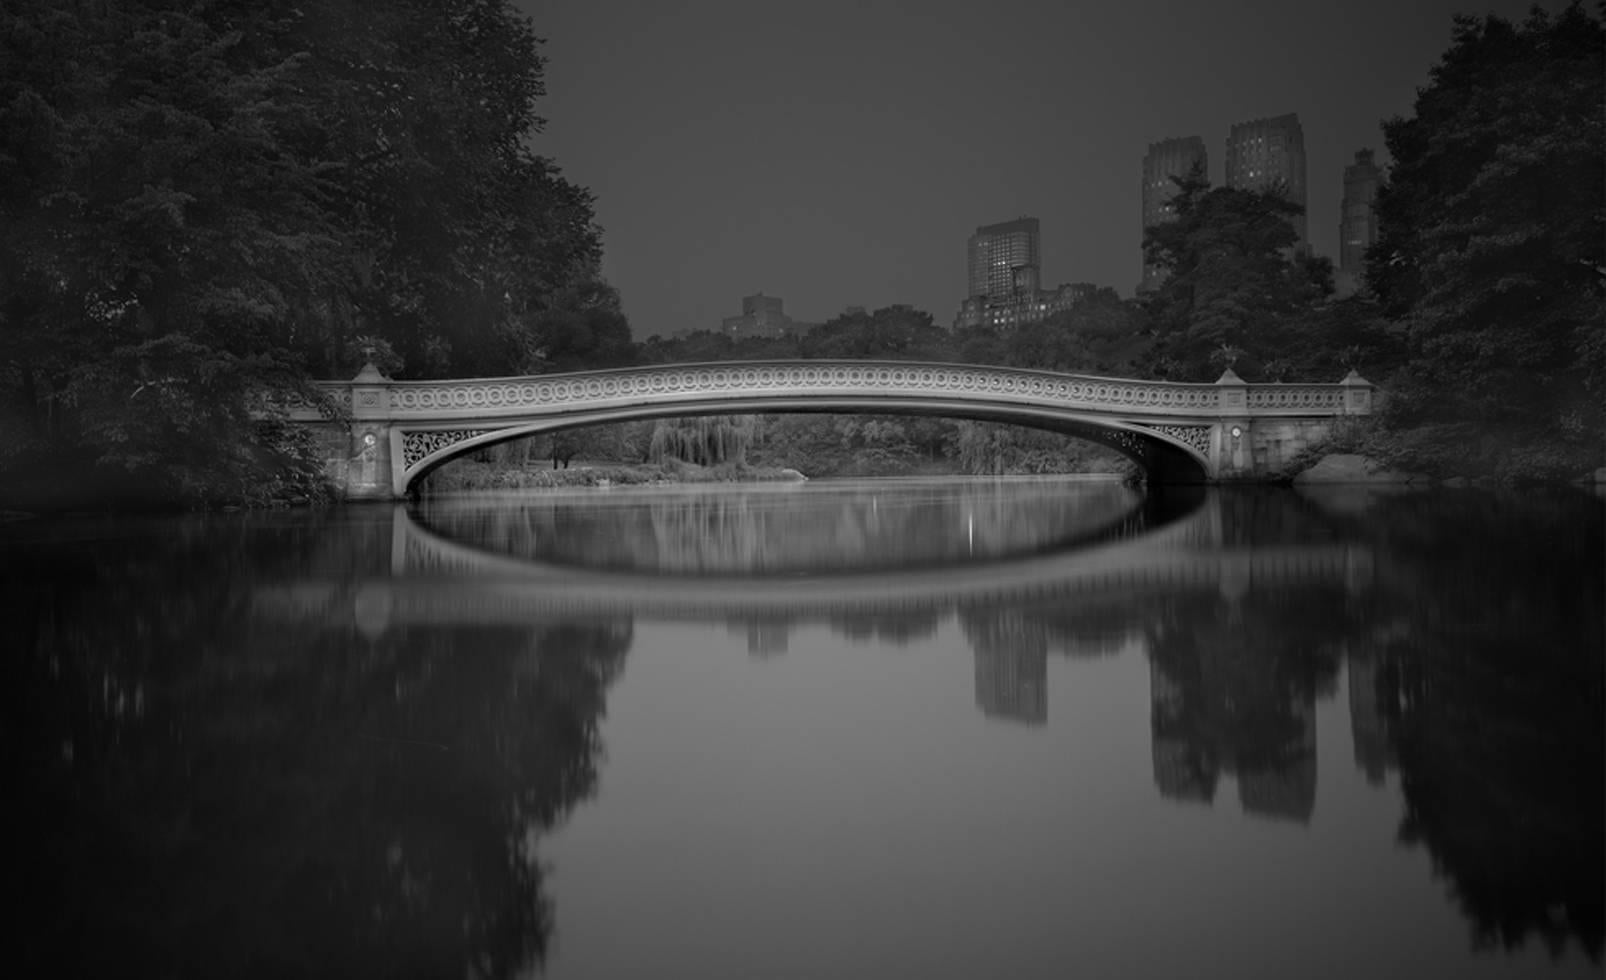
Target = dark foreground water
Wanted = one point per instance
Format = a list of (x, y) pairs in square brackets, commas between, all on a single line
[(961, 729)]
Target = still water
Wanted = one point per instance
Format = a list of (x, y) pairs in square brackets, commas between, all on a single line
[(1025, 728)]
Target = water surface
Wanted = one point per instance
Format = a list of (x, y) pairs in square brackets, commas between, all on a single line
[(1026, 728)]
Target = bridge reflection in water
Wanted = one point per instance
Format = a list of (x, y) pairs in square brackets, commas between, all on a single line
[(437, 581), (1219, 704)]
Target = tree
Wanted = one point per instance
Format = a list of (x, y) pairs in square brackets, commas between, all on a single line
[(162, 243), (1099, 334), (1234, 276), (896, 332), (705, 440), (201, 202), (458, 232), (578, 326), (1490, 248)]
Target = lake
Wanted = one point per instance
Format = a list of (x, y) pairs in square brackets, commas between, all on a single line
[(925, 728)]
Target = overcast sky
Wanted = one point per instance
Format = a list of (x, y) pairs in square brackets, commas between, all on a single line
[(835, 153)]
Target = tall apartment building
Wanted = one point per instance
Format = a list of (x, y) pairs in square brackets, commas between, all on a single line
[(1357, 222), (1166, 159), (1005, 279), (1005, 260), (1263, 153)]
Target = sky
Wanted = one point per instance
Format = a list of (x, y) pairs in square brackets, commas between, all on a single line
[(835, 153)]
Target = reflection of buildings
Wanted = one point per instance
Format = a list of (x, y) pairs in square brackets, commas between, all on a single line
[(1011, 666), (766, 637), (1285, 786), (1373, 753), (1011, 646), (1182, 770), (1012, 683), (1217, 706)]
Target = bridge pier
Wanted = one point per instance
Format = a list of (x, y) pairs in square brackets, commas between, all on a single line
[(1248, 445)]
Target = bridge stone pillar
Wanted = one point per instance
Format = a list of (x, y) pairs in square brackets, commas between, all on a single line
[(1357, 394), (1231, 455), (370, 476)]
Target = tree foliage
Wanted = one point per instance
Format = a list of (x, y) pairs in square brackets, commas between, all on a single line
[(894, 332), (1491, 250), (1235, 279), (200, 201)]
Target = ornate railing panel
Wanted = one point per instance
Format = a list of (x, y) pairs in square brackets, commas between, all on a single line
[(489, 397), (1324, 399)]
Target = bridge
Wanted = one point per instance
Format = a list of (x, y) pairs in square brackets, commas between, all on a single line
[(382, 436), (435, 581)]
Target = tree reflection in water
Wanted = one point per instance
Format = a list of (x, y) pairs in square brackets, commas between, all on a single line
[(1482, 683), (205, 795), (1473, 670)]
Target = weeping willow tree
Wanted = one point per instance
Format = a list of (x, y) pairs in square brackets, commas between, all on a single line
[(993, 449), (706, 440)]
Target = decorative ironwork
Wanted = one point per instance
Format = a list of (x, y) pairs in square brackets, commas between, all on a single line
[(1195, 437), (1124, 441), (417, 446)]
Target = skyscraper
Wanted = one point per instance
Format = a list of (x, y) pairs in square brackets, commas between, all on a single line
[(1357, 222), (1264, 153), (1166, 159), (1004, 260)]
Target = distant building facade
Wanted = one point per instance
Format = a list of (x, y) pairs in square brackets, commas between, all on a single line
[(1041, 304), (762, 316), (1004, 266), (1166, 159), (1357, 222), (1266, 153), (1005, 260)]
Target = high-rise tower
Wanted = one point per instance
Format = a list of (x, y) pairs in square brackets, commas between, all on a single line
[(1266, 153), (1357, 222), (1004, 260), (1166, 159)]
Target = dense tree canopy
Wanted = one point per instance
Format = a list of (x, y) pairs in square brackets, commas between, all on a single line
[(202, 200), (1235, 280), (1491, 224)]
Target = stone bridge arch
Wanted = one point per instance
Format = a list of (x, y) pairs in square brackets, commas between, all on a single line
[(398, 431), (1161, 455)]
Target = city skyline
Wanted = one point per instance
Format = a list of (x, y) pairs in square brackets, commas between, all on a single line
[(1166, 159), (1358, 222), (1268, 154), (839, 161)]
